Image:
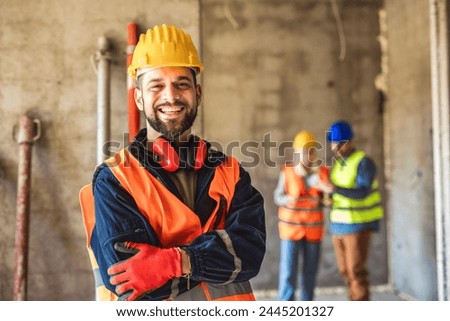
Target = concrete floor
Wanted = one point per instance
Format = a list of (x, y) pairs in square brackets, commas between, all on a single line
[(379, 293)]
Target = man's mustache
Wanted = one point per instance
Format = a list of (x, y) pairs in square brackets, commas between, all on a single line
[(177, 103)]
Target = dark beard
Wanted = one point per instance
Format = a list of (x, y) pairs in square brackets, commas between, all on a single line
[(176, 131)]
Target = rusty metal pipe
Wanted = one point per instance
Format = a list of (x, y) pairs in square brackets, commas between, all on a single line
[(28, 133)]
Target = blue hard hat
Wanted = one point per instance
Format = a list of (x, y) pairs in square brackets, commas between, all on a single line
[(340, 131)]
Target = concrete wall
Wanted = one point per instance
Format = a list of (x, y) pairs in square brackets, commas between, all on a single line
[(271, 67), (409, 176)]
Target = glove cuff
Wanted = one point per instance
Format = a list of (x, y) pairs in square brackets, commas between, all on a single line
[(185, 263), (175, 262)]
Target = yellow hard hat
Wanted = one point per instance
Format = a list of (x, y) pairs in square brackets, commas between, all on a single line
[(165, 46), (304, 139)]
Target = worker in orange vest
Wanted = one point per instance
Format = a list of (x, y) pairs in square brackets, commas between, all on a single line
[(301, 221), (168, 217)]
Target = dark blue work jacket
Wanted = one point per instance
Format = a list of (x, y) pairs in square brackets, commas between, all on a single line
[(119, 220)]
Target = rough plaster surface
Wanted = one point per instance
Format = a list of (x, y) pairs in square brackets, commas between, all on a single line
[(271, 69)]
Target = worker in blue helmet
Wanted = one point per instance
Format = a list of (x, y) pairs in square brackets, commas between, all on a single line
[(356, 209)]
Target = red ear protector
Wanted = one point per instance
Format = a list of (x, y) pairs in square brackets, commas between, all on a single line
[(172, 157)]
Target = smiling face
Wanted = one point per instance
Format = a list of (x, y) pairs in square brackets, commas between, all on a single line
[(169, 98)]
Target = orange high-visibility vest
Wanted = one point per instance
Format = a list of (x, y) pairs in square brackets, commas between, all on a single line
[(303, 217), (174, 222)]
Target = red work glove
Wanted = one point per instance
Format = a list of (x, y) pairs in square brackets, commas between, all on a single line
[(150, 268)]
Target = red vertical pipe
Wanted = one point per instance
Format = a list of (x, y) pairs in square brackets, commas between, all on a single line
[(133, 111), (25, 140)]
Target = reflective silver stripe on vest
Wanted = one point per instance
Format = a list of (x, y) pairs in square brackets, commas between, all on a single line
[(361, 208), (302, 223), (194, 294), (98, 278), (307, 198), (303, 209), (174, 289), (237, 261), (216, 291)]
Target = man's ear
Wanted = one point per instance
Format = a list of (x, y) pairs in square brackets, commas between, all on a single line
[(199, 92), (138, 99)]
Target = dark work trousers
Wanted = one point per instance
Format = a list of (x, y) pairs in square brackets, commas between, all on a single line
[(351, 254)]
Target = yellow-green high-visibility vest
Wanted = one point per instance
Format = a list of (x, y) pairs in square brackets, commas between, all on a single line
[(350, 210)]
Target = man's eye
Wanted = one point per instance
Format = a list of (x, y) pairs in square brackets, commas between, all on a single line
[(155, 87), (183, 85)]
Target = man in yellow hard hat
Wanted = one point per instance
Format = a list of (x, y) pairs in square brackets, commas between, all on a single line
[(174, 219), (300, 214)]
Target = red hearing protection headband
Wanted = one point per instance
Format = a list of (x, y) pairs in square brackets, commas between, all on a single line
[(169, 159)]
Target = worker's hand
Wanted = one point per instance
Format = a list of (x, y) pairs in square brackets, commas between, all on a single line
[(326, 187), (150, 268), (327, 201)]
